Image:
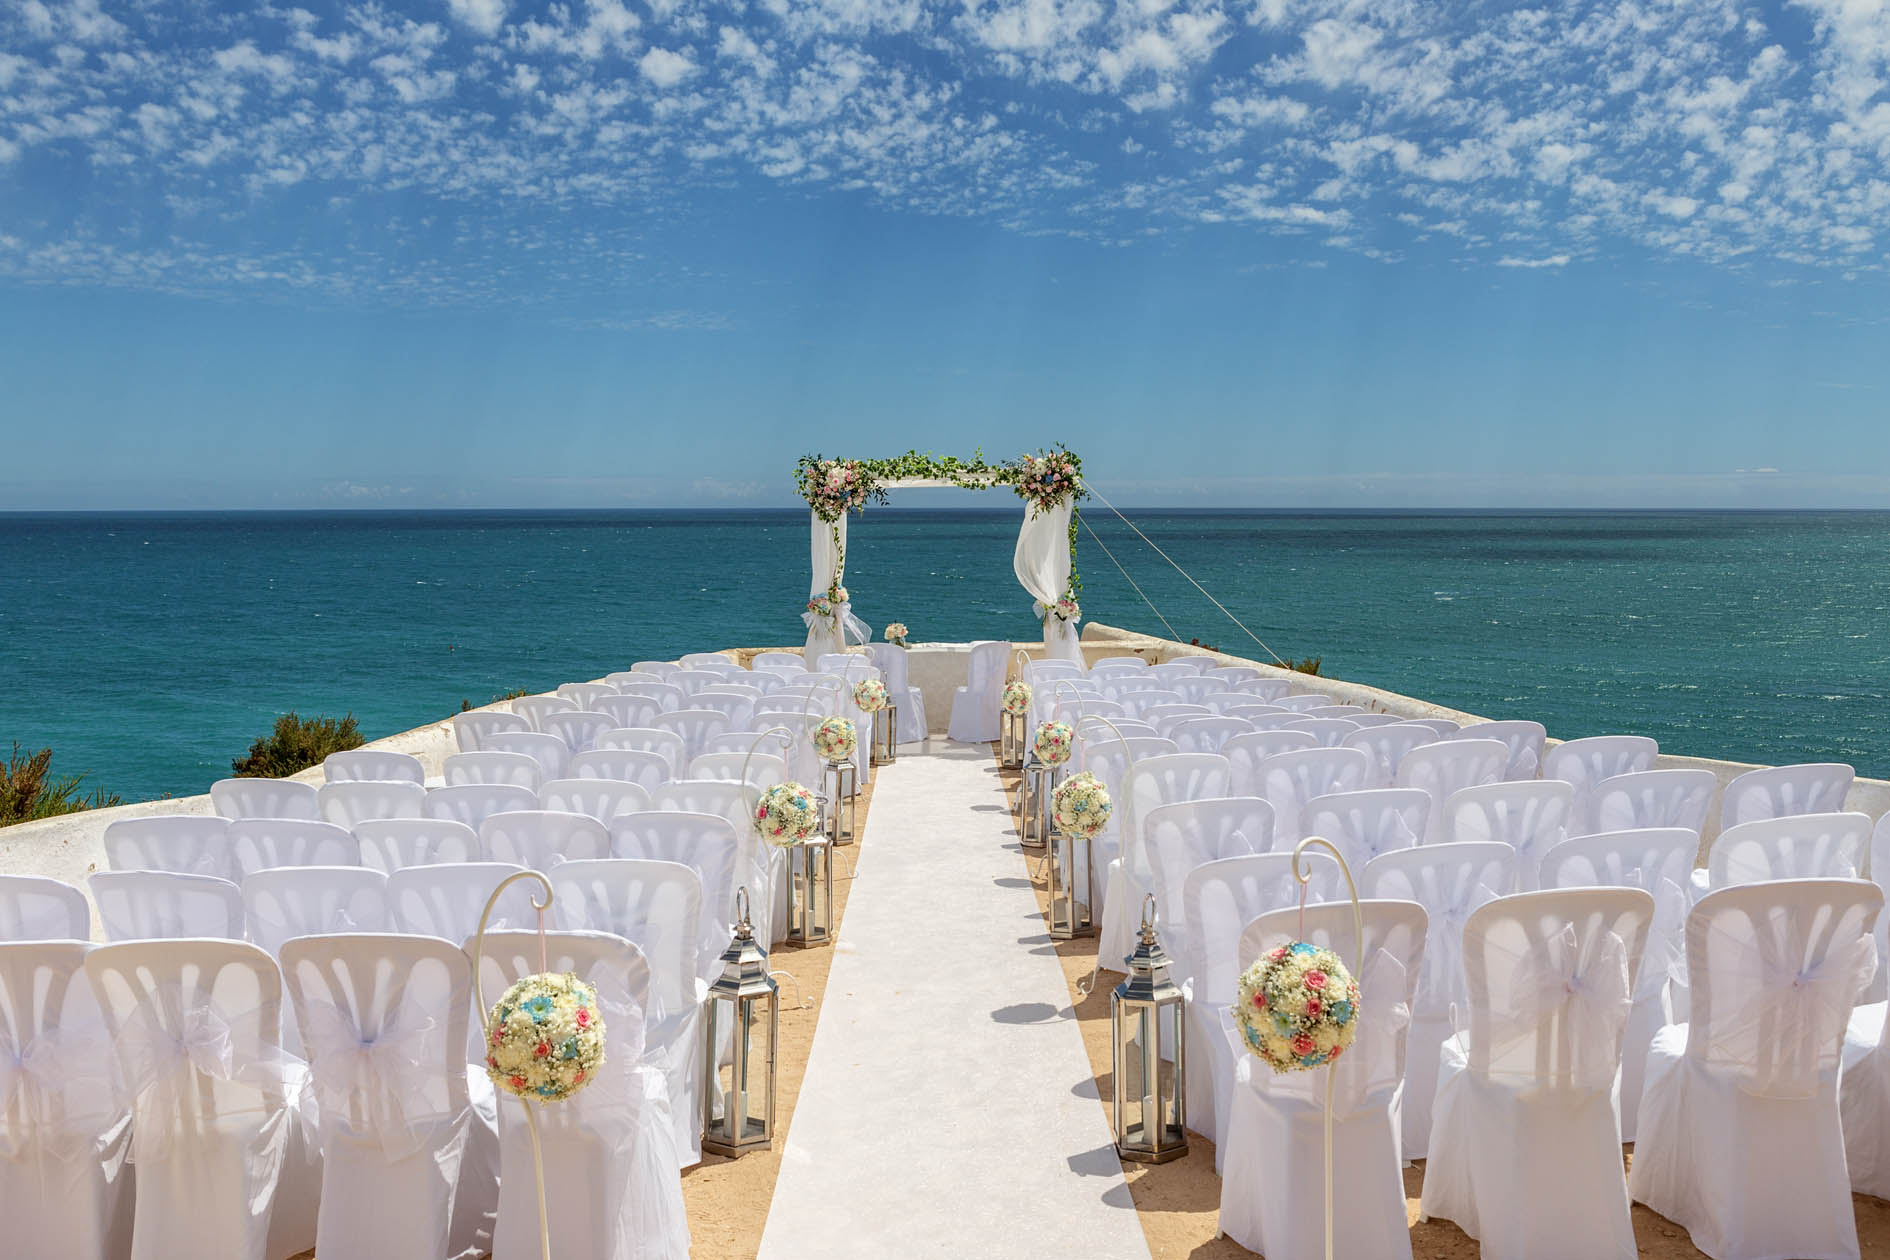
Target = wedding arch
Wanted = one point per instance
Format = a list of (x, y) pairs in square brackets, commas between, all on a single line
[(1049, 483)]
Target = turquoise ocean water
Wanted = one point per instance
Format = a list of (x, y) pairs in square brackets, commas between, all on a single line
[(150, 649)]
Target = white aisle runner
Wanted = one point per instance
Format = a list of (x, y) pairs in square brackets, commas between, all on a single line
[(948, 1108)]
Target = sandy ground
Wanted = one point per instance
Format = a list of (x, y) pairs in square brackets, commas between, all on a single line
[(1179, 1202), (728, 1199)]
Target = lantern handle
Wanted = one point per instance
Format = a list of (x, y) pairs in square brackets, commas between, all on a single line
[(1303, 873), (747, 760), (1148, 912)]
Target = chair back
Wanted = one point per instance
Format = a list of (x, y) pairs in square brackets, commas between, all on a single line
[(763, 769), (1247, 749), (1207, 734), (668, 696), (1650, 798), (1365, 824), (263, 798), (655, 905), (1799, 846), (551, 752), (262, 843), (1187, 834), (602, 799), (445, 899), (492, 767), (1656, 860), (1551, 977), (1776, 969), (1447, 767), (1530, 816), (1782, 791), (695, 726), (47, 1006), (372, 763), (1290, 779), (541, 839), (579, 728), (280, 905), (35, 908), (388, 844), (190, 844), (1524, 740), (1389, 744), (1329, 732), (1586, 762), (705, 843), (473, 803), (665, 743), (628, 710), (584, 695), (346, 804), (1450, 881), (535, 709), (1220, 898), (471, 730), (164, 905)]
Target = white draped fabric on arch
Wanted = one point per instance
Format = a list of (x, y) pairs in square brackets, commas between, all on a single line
[(1044, 561)]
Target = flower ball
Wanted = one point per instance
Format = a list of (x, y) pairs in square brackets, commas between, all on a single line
[(787, 814), (546, 1038), (835, 739), (1054, 742), (1081, 805), (870, 695), (1016, 696), (1297, 1007)]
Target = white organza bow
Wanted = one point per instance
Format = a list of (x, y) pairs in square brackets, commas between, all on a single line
[(1441, 986), (1797, 1013), (378, 1084), (161, 1066), (1371, 1065), (55, 1076), (1580, 1007)]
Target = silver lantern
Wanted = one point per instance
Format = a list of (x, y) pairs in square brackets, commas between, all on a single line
[(741, 1031), (1033, 801), (810, 892), (886, 735), (1012, 740), (1072, 885), (838, 793), (1149, 1034)]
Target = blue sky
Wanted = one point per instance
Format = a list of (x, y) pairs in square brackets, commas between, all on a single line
[(1237, 252)]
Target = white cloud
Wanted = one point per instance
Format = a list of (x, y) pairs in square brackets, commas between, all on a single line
[(666, 68), (483, 16), (1553, 260)]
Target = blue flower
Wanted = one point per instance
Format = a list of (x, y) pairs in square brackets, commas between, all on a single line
[(540, 1008), (1301, 947), (1341, 1013)]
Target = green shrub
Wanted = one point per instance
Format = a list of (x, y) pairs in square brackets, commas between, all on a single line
[(1308, 666), (26, 791), (296, 744), (465, 706)]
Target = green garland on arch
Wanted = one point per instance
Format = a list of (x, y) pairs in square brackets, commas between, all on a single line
[(862, 481)]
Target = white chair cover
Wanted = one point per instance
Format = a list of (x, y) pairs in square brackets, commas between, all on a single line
[(975, 705), (1276, 1205), (1655, 860), (1230, 675), (1450, 881), (1207, 734), (780, 662), (190, 844), (1164, 716), (1443, 727), (551, 752), (385, 1031), (694, 727), (1797, 846), (1782, 791), (1365, 824), (908, 699), (1880, 872), (1099, 751), (346, 804), (263, 798), (65, 1135), (1245, 752), (372, 763), (1525, 1145), (1864, 1098), (759, 864), (1649, 799), (602, 799), (634, 710), (1530, 817), (34, 908), (763, 770), (263, 843), (1523, 739), (665, 743), (1218, 900), (668, 696), (535, 709), (280, 905), (387, 844), (655, 669), (583, 695), (644, 767), (657, 907), (705, 843), (1741, 1141), (223, 1166), (1388, 745), (541, 839), (1330, 732), (151, 905), (1188, 834), (473, 803), (1447, 767), (611, 1158), (1288, 780), (489, 766), (445, 899), (579, 729), (470, 730), (735, 704), (1586, 762), (1151, 782)]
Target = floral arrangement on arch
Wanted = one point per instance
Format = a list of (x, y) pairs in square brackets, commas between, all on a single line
[(1054, 742), (1297, 1007), (545, 1037), (835, 739), (869, 694), (1065, 609), (896, 634), (787, 814), (834, 487), (1016, 697), (1047, 480), (1081, 806)]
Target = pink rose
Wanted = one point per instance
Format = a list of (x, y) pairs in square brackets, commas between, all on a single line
[(1315, 979), (1302, 1045)]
